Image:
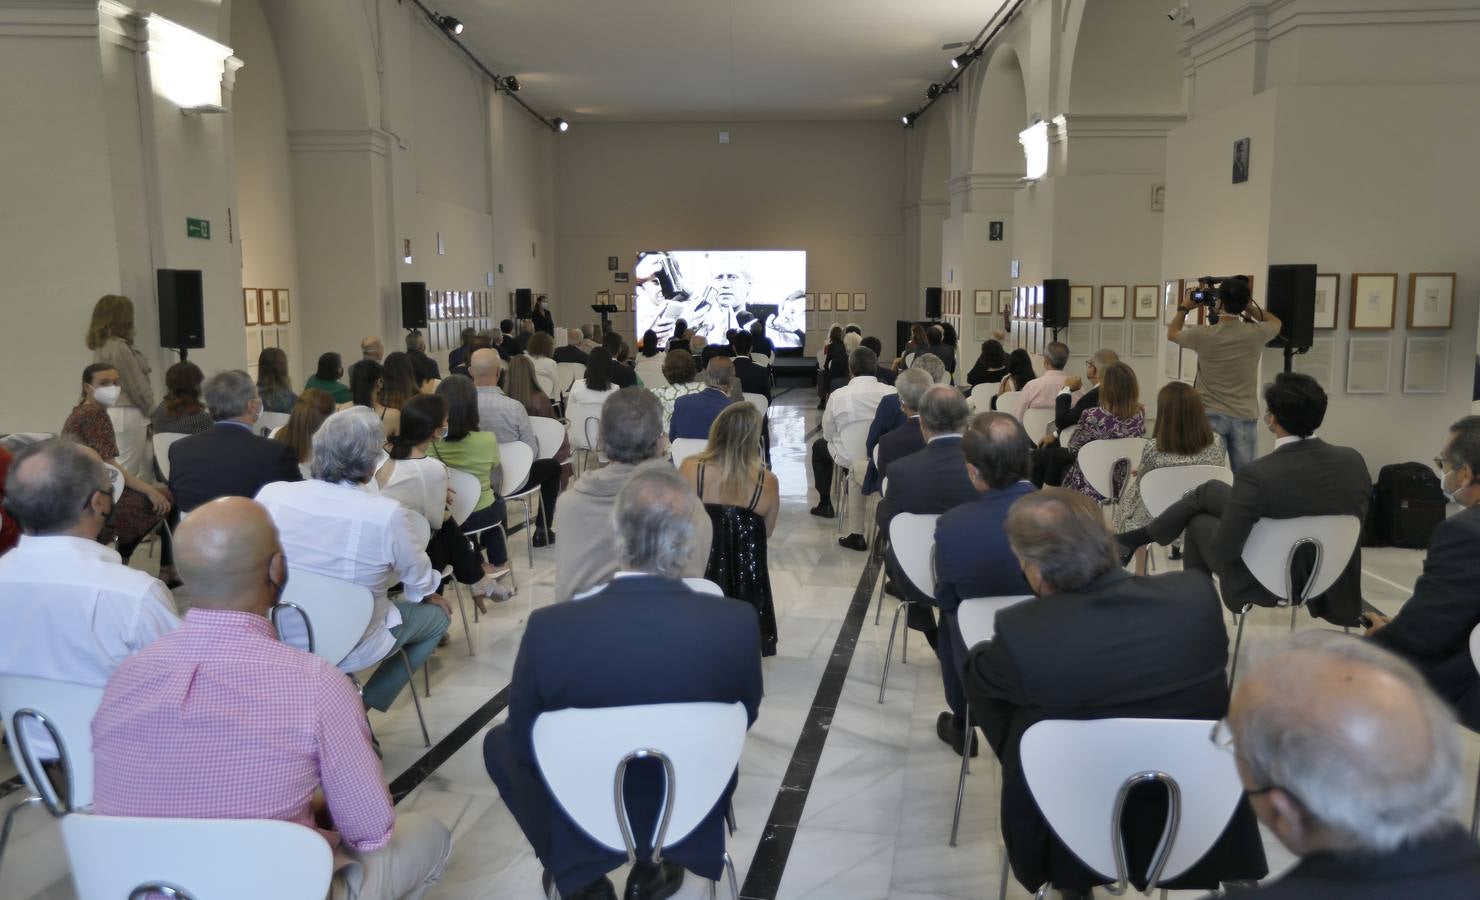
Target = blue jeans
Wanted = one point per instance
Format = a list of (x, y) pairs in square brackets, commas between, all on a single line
[(422, 626), (1239, 436)]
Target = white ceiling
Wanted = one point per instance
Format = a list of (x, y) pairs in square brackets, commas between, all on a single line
[(708, 60)]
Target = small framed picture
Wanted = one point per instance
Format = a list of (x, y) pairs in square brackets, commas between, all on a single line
[(860, 302), (1171, 298), (842, 302), (1240, 160), (1004, 301), (284, 308), (811, 301), (1426, 365), (1328, 299), (1374, 298), (1112, 301), (252, 306), (1145, 305), (1368, 364), (1431, 299), (269, 307), (824, 302), (1082, 301)]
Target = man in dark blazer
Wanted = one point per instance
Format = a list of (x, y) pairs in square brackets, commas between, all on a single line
[(457, 359), (937, 346), (1304, 476), (623, 375), (1066, 411), (569, 352), (905, 439), (888, 416), (972, 556), (416, 349), (885, 374), (1433, 629), (694, 413), (754, 377), (1095, 643), (644, 638), (229, 460), (1381, 826)]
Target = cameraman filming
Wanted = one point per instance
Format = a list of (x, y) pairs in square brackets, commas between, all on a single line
[(1227, 359)]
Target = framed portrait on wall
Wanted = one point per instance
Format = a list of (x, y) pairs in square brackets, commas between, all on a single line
[(1082, 301), (1328, 300), (1368, 364), (1426, 365), (252, 306), (983, 301), (269, 307), (1145, 302), (860, 302), (1112, 301), (1004, 301), (811, 301), (843, 302), (1374, 301), (1431, 299), (824, 302), (1171, 298), (284, 308)]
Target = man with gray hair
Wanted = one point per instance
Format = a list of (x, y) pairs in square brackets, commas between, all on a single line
[(230, 459), (1067, 411), (694, 413), (570, 350), (644, 638), (416, 350), (889, 416), (631, 434), (849, 406), (1354, 765), (372, 348), (1042, 392), (1097, 642), (899, 442), (332, 526)]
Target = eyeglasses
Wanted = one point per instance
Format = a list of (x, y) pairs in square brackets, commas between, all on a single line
[(1439, 463)]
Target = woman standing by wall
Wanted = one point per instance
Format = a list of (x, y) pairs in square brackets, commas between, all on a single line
[(110, 337)]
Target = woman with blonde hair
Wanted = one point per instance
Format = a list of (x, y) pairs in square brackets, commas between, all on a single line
[(1119, 415), (743, 500), (309, 412), (273, 385), (110, 337)]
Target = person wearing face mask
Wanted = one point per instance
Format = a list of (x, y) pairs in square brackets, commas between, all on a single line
[(1303, 476), (1098, 642), (230, 459), (72, 610), (143, 505), (1432, 631), (110, 336)]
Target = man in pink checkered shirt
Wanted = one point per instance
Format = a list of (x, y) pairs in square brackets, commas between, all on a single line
[(219, 720)]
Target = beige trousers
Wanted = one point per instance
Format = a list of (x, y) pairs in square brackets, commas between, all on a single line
[(401, 870)]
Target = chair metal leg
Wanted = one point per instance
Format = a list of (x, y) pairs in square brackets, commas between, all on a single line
[(462, 612), (426, 675), (961, 782), (904, 644), (411, 686), (734, 882), (879, 607), (1294, 609), (889, 651), (1474, 817), (528, 532), (5, 829), (1002, 885), (730, 816), (1239, 639)]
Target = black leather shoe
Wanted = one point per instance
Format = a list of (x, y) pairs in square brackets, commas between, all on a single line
[(1126, 554), (650, 882), (823, 510), (853, 542), (950, 731), (544, 538), (1176, 552), (891, 590), (601, 889)]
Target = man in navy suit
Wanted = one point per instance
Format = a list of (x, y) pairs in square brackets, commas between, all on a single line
[(645, 638), (229, 460), (694, 413), (754, 377), (889, 416), (972, 556), (885, 374)]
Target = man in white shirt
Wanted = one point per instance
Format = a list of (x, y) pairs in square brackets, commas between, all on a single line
[(1042, 392), (509, 421), (72, 610), (854, 403), (332, 526)]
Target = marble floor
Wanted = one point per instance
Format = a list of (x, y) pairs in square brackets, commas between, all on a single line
[(876, 821)]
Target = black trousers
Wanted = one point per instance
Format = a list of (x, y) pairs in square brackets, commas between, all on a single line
[(822, 470), (449, 546), (546, 474), (1050, 464), (1198, 515)]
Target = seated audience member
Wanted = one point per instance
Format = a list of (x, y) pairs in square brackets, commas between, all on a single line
[(590, 338), (523, 389), (631, 434), (326, 378), (852, 339), (621, 374), (1432, 630), (1041, 392), (681, 335), (1063, 655), (424, 370), (397, 383), (596, 385), (522, 334), (650, 359), (571, 351), (366, 383), (754, 378), (73, 611), (332, 526), (1356, 767), (371, 348), (885, 374), (465, 446), (231, 459), (312, 408), (273, 385), (990, 367), (143, 504), (692, 415), (890, 416), (10, 530), (900, 442), (457, 358), (505, 342), (832, 365), (1303, 476), (181, 411), (508, 421), (678, 371), (569, 659), (221, 720), (717, 347), (1019, 375), (1119, 414), (856, 402), (913, 347), (416, 348), (541, 350), (759, 342), (972, 556), (1182, 438), (936, 344), (1067, 411)]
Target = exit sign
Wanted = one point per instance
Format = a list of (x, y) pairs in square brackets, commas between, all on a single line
[(198, 228)]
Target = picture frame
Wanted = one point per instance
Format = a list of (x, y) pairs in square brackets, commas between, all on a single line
[(824, 302), (252, 306), (860, 302), (984, 302), (269, 307), (1240, 160), (1369, 365), (1004, 301), (811, 301), (1081, 301), (1143, 339), (842, 302), (1112, 301), (1431, 300), (1426, 365), (1171, 298), (1144, 305), (1374, 301), (284, 307), (1328, 302)]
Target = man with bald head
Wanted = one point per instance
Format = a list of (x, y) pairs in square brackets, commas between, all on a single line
[(372, 348), (694, 413), (509, 421), (1353, 763), (221, 720)]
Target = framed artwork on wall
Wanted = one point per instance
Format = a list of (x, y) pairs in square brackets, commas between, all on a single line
[(269, 307), (1112, 301), (1143, 339), (1004, 301), (860, 302), (1082, 301), (1426, 365), (1328, 300), (284, 308), (824, 302), (811, 302), (1145, 302), (984, 301), (1368, 363), (1431, 299), (843, 302), (1171, 298), (1374, 301), (252, 306)]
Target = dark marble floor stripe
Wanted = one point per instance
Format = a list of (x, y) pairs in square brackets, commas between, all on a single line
[(764, 877), (443, 750)]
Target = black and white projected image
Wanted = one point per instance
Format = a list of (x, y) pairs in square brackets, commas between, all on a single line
[(718, 291)]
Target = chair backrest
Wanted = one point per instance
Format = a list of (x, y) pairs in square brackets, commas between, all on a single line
[(549, 433), (1077, 771), (1008, 402), (854, 438), (976, 617), (585, 425), (1037, 422), (1272, 543), (569, 372), (203, 859), (515, 458), (760, 403), (68, 709), (268, 422), (582, 752), (912, 536), (761, 358), (1160, 488), (162, 451), (115, 478), (1067, 435), (547, 384), (1475, 647), (682, 448), (704, 586), (465, 493), (1097, 460), (336, 612)]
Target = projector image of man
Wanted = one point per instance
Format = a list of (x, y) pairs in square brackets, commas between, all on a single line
[(722, 305)]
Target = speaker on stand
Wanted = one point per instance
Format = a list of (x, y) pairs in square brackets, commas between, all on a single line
[(182, 324), (933, 303), (413, 305), (1291, 296), (1056, 304)]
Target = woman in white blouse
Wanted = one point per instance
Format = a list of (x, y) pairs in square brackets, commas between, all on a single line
[(541, 350)]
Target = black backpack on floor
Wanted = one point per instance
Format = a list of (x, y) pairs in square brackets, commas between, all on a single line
[(1407, 505)]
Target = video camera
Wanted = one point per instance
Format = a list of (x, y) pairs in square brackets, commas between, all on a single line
[(1210, 291)]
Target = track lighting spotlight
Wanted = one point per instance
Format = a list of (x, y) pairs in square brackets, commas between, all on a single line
[(450, 24), (561, 125), (909, 119), (961, 60), (933, 91), (509, 83)]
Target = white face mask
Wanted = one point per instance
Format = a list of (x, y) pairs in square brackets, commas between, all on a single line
[(107, 395), (1444, 486)]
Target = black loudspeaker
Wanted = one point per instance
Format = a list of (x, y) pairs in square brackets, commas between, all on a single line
[(932, 303), (413, 304), (1290, 293), (182, 323), (523, 303), (1056, 303)]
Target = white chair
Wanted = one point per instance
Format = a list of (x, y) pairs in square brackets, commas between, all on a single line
[(1067, 435), (465, 494), (115, 478), (547, 384), (760, 403), (583, 756), (219, 859), (550, 433), (704, 586), (1270, 551), (268, 422), (1097, 461), (912, 538), (682, 448), (162, 451), (1008, 402), (331, 619), (1080, 773), (569, 373), (980, 398), (854, 438), (516, 459), (1160, 488), (1037, 422), (1475, 815), (584, 426), (976, 619)]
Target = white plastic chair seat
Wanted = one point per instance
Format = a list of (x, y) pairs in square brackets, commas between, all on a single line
[(1097, 461), (585, 425), (516, 458), (704, 586), (70, 709), (115, 478), (683, 448), (1272, 543), (338, 612), (550, 433), (912, 539), (760, 403), (1008, 402), (1037, 422), (219, 859), (268, 422), (762, 358), (1160, 488), (465, 493), (976, 618), (1067, 435), (569, 373), (162, 451), (547, 384)]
